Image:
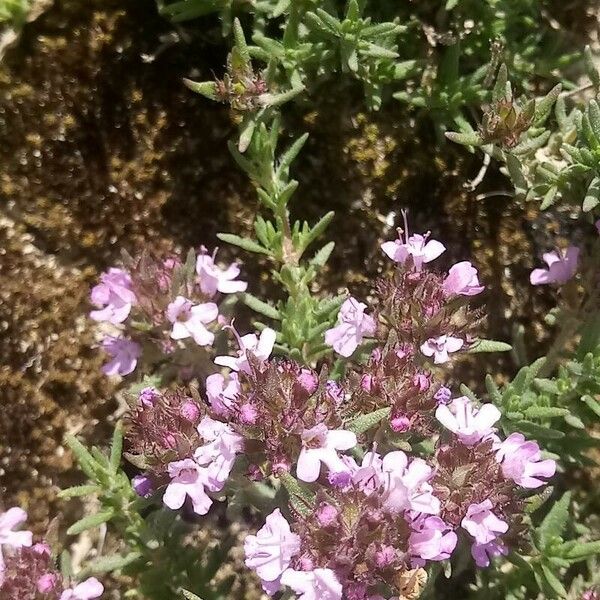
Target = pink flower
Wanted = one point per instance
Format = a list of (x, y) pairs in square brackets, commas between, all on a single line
[(148, 396), (406, 486), (10, 538), (462, 280), (47, 582), (213, 279), (431, 539), (562, 265), (417, 246), (482, 523), (270, 551), (471, 425), (522, 461), (320, 584), (320, 445), (142, 485), (260, 347), (352, 326), (218, 454), (440, 347), (113, 294), (87, 590), (189, 320), (482, 553), (221, 394), (124, 353), (187, 479)]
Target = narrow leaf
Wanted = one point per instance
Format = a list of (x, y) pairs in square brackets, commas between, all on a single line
[(244, 243), (91, 521), (365, 422)]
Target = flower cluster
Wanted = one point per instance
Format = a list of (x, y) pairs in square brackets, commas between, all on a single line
[(416, 307), (375, 523), (28, 571), (366, 529), (161, 306), (178, 445), (367, 523), (478, 477)]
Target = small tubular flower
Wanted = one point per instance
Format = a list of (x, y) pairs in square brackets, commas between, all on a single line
[(221, 392), (462, 280), (319, 584), (9, 521), (482, 523), (406, 484), (440, 347), (416, 246), (189, 320), (260, 347), (430, 539), (113, 296), (188, 479), (218, 454), (86, 590), (471, 425), (483, 553), (320, 446), (124, 355), (213, 279), (562, 265), (270, 551), (353, 325), (522, 462)]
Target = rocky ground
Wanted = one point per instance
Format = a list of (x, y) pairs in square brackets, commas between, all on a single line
[(103, 148)]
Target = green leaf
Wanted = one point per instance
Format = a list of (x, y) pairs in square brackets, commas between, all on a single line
[(581, 551), (592, 404), (240, 41), (538, 432), (91, 521), (302, 498), (590, 67), (77, 491), (290, 154), (208, 89), (465, 139), (574, 421), (116, 448), (281, 98), (489, 346), (544, 106), (499, 91), (555, 521), (592, 196), (553, 581), (318, 229), (261, 307), (363, 423), (545, 412), (86, 461), (243, 243), (110, 563), (66, 568), (515, 171), (322, 256), (189, 596)]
